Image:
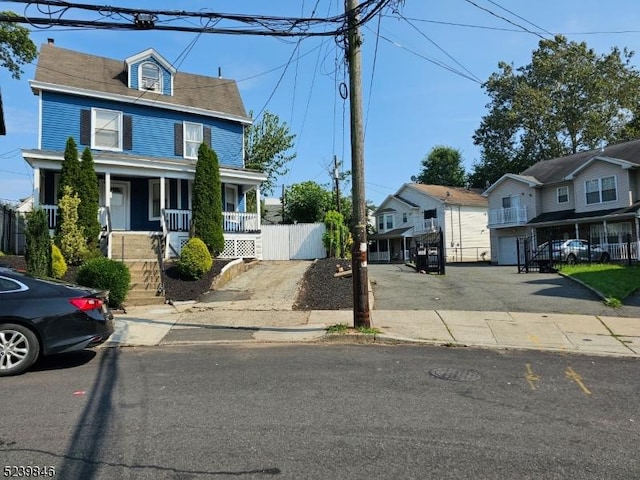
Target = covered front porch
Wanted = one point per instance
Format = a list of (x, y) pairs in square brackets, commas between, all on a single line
[(391, 247), (157, 198)]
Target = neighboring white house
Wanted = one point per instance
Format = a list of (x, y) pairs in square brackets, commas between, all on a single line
[(592, 195), (415, 211)]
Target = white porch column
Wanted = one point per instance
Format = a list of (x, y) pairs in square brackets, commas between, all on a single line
[(577, 231), (637, 238), (107, 190), (605, 235), (388, 251), (162, 201), (257, 204), (36, 187)]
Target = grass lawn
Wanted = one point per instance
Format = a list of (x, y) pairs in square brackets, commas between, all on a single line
[(615, 282)]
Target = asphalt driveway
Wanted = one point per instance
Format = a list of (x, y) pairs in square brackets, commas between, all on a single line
[(482, 287)]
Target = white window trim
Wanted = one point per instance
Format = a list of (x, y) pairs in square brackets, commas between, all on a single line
[(388, 215), (558, 194), (141, 80), (184, 138), (235, 197), (152, 182), (600, 201), (94, 111)]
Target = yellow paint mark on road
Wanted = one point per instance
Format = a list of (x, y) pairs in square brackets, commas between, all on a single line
[(534, 339), (531, 377), (572, 375)]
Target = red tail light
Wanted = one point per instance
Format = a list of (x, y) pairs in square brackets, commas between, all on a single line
[(86, 303)]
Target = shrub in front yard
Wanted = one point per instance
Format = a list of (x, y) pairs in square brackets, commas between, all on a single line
[(195, 259), (58, 265), (38, 244), (106, 274)]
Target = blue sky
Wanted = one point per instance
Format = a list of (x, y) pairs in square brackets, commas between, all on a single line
[(410, 103)]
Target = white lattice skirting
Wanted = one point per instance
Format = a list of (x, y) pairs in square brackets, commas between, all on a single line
[(236, 248)]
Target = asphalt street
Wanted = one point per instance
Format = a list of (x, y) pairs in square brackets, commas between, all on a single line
[(324, 411)]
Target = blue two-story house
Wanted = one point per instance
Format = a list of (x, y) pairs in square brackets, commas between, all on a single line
[(144, 122)]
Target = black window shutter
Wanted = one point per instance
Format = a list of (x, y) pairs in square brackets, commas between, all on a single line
[(127, 132), (206, 136), (85, 127), (178, 139)]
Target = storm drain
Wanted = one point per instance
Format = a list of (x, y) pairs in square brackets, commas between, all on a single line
[(455, 374)]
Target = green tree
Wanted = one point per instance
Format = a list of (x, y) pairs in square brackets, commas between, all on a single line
[(69, 175), (442, 166), (16, 48), (267, 146), (207, 201), (38, 244), (306, 202), (336, 237), (71, 239), (89, 194), (568, 99)]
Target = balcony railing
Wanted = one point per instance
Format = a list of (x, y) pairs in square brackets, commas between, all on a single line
[(426, 225), (508, 216)]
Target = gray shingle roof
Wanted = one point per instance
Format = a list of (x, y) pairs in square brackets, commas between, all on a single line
[(63, 67), (556, 169)]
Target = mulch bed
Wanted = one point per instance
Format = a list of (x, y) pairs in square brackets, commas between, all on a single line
[(320, 290), (179, 289)]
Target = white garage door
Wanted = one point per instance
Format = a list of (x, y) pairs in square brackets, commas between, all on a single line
[(508, 251)]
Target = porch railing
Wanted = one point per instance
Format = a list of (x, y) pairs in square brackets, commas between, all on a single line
[(51, 212), (177, 220), (240, 222)]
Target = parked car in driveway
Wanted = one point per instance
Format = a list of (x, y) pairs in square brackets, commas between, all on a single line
[(570, 251), (43, 317)]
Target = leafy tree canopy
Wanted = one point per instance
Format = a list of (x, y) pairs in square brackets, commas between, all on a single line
[(442, 166), (267, 145), (568, 99), (16, 48), (306, 202)]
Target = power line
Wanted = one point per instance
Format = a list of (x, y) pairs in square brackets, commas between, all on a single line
[(503, 18), (144, 19), (521, 18), (439, 47)]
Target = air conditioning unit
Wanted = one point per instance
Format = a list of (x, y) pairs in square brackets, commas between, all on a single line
[(149, 83)]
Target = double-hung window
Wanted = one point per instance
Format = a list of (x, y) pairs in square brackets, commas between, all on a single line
[(563, 194), (381, 223), (389, 222), (107, 130), (192, 139), (154, 198), (150, 77), (601, 190)]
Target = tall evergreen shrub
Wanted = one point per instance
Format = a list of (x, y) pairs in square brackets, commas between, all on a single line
[(38, 244), (89, 193), (207, 201)]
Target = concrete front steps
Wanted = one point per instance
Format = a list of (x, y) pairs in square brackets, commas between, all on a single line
[(145, 283), (139, 251)]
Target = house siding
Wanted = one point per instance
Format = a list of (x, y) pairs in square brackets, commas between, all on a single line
[(514, 188), (153, 129), (599, 170), (549, 198)]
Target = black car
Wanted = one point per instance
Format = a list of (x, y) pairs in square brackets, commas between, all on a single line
[(44, 317)]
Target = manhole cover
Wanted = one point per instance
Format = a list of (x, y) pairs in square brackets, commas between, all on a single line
[(455, 374)]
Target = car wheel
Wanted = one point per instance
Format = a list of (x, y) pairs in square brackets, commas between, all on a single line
[(604, 258), (19, 349), (571, 259)]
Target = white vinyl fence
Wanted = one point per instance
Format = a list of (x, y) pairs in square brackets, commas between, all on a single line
[(302, 241)]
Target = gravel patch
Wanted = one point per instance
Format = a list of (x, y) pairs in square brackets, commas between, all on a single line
[(320, 290)]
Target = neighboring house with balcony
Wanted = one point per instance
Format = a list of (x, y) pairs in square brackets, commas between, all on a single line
[(416, 212), (592, 195), (144, 122)]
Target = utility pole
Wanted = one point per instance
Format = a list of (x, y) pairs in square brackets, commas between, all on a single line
[(361, 315)]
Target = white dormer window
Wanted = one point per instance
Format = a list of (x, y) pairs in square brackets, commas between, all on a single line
[(150, 77)]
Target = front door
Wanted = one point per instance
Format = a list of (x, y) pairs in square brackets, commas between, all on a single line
[(120, 205)]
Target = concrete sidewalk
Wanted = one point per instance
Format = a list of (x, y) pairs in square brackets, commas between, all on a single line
[(196, 323)]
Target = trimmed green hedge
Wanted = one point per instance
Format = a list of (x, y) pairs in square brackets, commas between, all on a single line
[(106, 274), (195, 259)]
